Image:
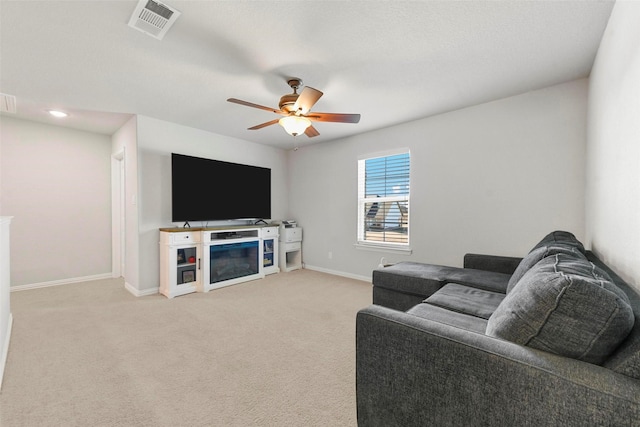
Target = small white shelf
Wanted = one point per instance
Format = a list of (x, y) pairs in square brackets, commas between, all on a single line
[(290, 248)]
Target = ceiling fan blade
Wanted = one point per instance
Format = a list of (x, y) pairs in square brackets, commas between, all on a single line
[(311, 132), (264, 125), (334, 117), (251, 104), (307, 98)]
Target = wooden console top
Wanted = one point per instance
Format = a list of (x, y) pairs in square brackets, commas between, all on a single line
[(228, 227)]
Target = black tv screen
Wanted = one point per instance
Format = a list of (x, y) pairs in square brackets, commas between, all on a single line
[(209, 190)]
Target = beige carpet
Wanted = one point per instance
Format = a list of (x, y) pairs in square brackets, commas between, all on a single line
[(273, 352)]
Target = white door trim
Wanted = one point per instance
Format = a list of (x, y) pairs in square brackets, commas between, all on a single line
[(118, 229)]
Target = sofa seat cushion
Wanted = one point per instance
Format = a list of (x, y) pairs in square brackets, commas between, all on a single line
[(466, 300), (448, 317), (567, 306), (424, 279), (410, 277)]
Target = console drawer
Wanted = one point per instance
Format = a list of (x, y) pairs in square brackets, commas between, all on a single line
[(181, 238), (270, 232)]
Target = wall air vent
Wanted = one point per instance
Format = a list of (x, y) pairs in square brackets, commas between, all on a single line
[(7, 103), (153, 18)]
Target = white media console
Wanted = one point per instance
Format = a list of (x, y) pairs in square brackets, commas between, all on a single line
[(202, 259)]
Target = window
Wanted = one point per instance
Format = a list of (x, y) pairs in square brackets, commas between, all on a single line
[(383, 200)]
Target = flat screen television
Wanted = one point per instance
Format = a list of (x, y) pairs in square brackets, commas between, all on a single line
[(209, 190)]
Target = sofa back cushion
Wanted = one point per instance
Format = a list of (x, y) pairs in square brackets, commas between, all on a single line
[(626, 359), (567, 306), (560, 237), (551, 244), (537, 254)]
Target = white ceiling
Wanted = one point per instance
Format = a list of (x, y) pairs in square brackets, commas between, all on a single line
[(390, 61)]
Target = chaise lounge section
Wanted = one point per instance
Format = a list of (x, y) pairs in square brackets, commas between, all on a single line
[(552, 338)]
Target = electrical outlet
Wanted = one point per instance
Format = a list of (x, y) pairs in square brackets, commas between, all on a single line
[(330, 255)]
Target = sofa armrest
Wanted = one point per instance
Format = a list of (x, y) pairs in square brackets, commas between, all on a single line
[(495, 263), (413, 371)]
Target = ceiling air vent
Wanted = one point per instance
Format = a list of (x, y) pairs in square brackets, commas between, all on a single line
[(7, 103), (153, 18)]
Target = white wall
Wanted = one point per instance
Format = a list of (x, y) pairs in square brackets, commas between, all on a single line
[(157, 139), (56, 184), (613, 150), (493, 178)]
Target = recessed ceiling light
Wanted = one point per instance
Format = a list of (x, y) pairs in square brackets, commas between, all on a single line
[(59, 114)]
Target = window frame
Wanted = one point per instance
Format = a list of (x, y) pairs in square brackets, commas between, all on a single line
[(381, 245)]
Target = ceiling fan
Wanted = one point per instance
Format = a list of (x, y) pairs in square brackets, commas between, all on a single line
[(296, 109)]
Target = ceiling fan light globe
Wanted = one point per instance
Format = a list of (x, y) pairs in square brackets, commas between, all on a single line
[(294, 125)]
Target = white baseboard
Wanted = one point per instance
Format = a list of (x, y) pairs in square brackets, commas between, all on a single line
[(338, 273), (61, 282), (127, 286), (139, 293), (5, 349)]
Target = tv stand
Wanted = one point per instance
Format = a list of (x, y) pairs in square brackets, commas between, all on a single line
[(207, 258), (186, 225)]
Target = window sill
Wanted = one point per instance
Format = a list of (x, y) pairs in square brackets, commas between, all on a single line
[(406, 250)]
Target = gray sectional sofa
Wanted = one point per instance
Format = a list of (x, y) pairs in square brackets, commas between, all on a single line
[(550, 339)]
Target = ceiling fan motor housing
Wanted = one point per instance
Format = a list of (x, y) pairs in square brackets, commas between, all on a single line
[(287, 101)]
